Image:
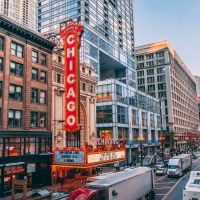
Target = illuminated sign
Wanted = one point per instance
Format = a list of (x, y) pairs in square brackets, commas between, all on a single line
[(102, 157), (73, 157), (14, 171), (71, 35)]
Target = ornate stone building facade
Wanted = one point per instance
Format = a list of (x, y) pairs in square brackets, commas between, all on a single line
[(87, 103)]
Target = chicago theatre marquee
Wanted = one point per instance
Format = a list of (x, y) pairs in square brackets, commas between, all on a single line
[(75, 142)]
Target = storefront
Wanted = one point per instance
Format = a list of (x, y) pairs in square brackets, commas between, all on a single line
[(23, 154)]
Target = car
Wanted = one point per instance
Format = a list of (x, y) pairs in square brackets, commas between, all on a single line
[(161, 170)]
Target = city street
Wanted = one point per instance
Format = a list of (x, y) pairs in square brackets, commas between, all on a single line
[(172, 188)]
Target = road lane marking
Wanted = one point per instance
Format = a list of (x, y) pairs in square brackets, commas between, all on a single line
[(162, 188), (160, 178), (165, 197)]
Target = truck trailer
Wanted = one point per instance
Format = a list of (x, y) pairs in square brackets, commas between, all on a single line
[(192, 188), (178, 164), (131, 184)]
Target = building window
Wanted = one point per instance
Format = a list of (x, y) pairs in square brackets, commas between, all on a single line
[(140, 73), (149, 56), (150, 64), (15, 92), (16, 69), (104, 114), (58, 78), (135, 119), (140, 58), (16, 50), (161, 70), (162, 86), (161, 78), (141, 88), (140, 65), (43, 60), (15, 118), (1, 89), (43, 77), (150, 72), (91, 88), (83, 86), (34, 119), (122, 114), (34, 74), (141, 81), (144, 119), (43, 97), (151, 88), (160, 54), (42, 120), (160, 62), (1, 43), (1, 64), (34, 56), (59, 59), (34, 95), (162, 95), (150, 80)]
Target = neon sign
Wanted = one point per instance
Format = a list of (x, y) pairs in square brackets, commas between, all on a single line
[(71, 35)]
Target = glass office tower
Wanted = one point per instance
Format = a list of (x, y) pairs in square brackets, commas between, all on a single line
[(108, 40)]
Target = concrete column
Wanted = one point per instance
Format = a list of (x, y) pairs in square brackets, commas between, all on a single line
[(149, 130), (140, 123)]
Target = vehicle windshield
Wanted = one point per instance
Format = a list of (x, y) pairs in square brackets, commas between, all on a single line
[(172, 166)]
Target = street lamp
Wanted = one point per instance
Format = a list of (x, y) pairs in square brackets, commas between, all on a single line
[(141, 139), (162, 138), (187, 143)]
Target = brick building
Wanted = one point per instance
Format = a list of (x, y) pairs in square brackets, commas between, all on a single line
[(25, 105)]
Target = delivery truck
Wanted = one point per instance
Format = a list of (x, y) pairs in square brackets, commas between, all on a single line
[(178, 164), (131, 184), (192, 188)]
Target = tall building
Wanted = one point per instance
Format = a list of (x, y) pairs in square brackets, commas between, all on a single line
[(162, 74), (22, 11), (108, 46), (197, 78), (25, 105), (108, 39)]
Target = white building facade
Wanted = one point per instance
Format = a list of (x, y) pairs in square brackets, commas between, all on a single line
[(162, 74)]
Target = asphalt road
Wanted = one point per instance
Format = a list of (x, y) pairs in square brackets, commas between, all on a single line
[(172, 188)]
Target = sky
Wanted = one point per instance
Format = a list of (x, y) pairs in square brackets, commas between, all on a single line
[(177, 21)]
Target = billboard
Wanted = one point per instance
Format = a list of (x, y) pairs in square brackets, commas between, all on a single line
[(104, 157), (71, 35), (69, 157)]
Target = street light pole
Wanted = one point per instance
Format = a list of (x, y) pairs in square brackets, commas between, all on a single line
[(162, 144)]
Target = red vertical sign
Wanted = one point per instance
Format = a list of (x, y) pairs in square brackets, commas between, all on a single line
[(71, 35)]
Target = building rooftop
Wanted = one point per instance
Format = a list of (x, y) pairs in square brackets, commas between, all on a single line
[(156, 46)]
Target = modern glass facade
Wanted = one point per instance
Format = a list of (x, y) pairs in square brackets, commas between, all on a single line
[(126, 113), (108, 40)]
